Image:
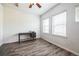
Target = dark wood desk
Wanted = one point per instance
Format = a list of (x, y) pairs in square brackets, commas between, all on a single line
[(30, 34)]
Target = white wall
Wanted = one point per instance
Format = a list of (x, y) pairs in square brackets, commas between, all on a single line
[(71, 42), (1, 21), (16, 21)]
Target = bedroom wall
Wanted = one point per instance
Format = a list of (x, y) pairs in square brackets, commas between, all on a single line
[(16, 21), (71, 42), (1, 22)]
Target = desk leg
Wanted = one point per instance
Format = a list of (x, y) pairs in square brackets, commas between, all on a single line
[(19, 38)]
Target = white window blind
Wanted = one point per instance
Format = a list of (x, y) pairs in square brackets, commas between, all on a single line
[(77, 14), (59, 24), (46, 25)]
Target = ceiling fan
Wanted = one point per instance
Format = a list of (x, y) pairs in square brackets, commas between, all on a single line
[(30, 6)]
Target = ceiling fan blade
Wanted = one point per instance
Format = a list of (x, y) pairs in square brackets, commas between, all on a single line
[(30, 6), (38, 5), (16, 4)]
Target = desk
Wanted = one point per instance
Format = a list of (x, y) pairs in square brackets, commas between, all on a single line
[(31, 34)]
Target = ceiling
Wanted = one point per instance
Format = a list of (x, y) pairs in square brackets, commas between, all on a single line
[(34, 10)]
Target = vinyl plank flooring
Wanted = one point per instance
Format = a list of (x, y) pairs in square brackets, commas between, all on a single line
[(38, 47)]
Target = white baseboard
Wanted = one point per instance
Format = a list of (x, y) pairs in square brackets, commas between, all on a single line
[(64, 48)]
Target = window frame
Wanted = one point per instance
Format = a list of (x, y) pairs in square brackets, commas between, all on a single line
[(76, 14), (43, 27), (59, 25)]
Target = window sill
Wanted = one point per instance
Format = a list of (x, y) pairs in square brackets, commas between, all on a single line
[(60, 36), (45, 33)]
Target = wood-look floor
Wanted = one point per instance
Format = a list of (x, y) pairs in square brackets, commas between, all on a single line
[(37, 47)]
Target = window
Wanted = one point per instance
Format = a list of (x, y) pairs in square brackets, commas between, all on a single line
[(59, 24), (46, 25), (77, 14)]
